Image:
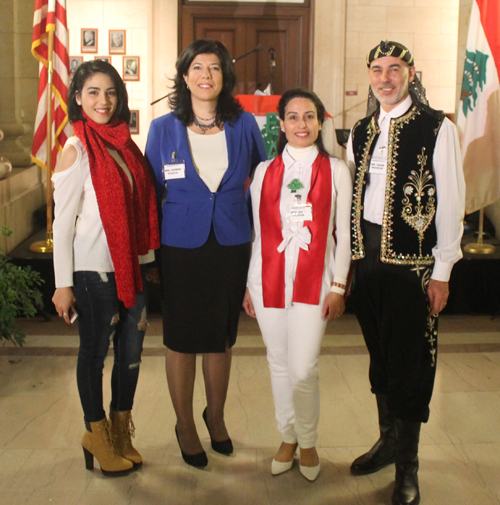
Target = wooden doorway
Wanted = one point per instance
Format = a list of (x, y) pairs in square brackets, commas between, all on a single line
[(282, 30)]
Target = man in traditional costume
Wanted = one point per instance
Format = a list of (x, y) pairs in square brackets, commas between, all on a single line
[(407, 212)]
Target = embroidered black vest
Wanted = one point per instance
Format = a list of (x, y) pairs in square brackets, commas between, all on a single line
[(408, 226)]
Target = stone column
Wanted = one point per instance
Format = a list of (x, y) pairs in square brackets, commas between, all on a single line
[(18, 81), (22, 191)]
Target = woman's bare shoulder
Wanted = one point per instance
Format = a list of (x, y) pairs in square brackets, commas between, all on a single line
[(68, 158)]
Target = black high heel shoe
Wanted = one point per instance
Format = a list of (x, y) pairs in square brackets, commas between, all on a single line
[(224, 447), (199, 460)]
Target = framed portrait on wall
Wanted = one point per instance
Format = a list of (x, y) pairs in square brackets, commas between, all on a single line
[(131, 68), (107, 59), (117, 41), (134, 122), (89, 40), (74, 63)]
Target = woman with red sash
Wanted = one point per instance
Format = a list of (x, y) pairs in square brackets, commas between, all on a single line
[(105, 231), (301, 204)]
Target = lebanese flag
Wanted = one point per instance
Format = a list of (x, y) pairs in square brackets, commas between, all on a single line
[(478, 118), (50, 15), (261, 106)]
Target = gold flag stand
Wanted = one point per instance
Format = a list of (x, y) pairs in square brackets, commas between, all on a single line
[(46, 246), (479, 247)]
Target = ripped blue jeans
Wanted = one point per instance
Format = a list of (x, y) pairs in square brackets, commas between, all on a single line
[(102, 317)]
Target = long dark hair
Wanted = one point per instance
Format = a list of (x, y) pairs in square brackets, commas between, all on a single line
[(289, 95), (86, 70), (228, 108)]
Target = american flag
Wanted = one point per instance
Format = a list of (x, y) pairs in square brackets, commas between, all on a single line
[(50, 15)]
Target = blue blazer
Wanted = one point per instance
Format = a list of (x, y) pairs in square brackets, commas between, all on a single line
[(190, 208)]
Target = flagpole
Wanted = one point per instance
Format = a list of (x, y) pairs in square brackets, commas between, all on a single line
[(46, 246), (479, 247)]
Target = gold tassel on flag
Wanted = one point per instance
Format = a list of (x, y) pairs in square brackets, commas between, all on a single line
[(50, 48)]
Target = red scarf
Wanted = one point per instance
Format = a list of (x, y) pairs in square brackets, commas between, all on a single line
[(129, 218), (309, 275)]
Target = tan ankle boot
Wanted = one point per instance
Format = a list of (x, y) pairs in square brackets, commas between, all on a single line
[(123, 429), (96, 442)]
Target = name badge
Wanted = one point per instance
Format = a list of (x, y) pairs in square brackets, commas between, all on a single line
[(378, 165), (174, 171), (300, 212)]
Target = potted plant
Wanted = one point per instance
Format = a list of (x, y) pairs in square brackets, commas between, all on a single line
[(19, 295)]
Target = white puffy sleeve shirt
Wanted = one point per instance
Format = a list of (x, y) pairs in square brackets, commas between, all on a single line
[(338, 252), (80, 242)]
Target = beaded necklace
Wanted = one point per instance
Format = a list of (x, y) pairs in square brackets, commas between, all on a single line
[(205, 127)]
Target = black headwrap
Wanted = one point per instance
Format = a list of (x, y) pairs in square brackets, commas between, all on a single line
[(390, 48), (397, 50)]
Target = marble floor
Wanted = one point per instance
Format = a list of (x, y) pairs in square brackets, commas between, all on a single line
[(41, 425)]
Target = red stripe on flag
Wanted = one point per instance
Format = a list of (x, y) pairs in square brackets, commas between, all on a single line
[(490, 19), (53, 20), (260, 105)]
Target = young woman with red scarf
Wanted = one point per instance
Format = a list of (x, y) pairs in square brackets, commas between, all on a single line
[(105, 231), (301, 201)]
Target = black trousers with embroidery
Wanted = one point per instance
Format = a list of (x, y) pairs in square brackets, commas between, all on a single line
[(390, 302)]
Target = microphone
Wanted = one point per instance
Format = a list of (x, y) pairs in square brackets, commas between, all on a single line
[(257, 49), (159, 99), (272, 56)]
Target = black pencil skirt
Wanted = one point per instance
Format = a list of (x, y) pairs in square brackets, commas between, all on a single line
[(203, 290)]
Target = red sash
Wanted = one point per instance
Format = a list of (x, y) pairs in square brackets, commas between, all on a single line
[(309, 275)]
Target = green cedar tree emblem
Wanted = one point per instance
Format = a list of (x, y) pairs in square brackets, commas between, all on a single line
[(295, 185), (474, 77)]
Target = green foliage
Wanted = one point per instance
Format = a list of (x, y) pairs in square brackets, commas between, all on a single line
[(19, 295)]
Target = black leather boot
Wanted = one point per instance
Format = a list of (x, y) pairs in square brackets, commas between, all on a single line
[(406, 490), (383, 452)]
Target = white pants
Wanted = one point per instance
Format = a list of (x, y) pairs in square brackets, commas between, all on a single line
[(293, 339)]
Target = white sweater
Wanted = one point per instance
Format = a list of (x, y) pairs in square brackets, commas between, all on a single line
[(79, 239)]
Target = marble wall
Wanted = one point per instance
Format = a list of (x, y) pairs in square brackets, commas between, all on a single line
[(151, 31), (164, 51), (329, 64), (344, 31), (133, 16), (428, 27)]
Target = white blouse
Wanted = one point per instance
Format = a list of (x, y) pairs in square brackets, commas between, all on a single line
[(80, 242), (209, 153), (337, 254)]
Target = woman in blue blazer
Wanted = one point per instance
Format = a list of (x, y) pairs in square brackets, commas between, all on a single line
[(202, 155)]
